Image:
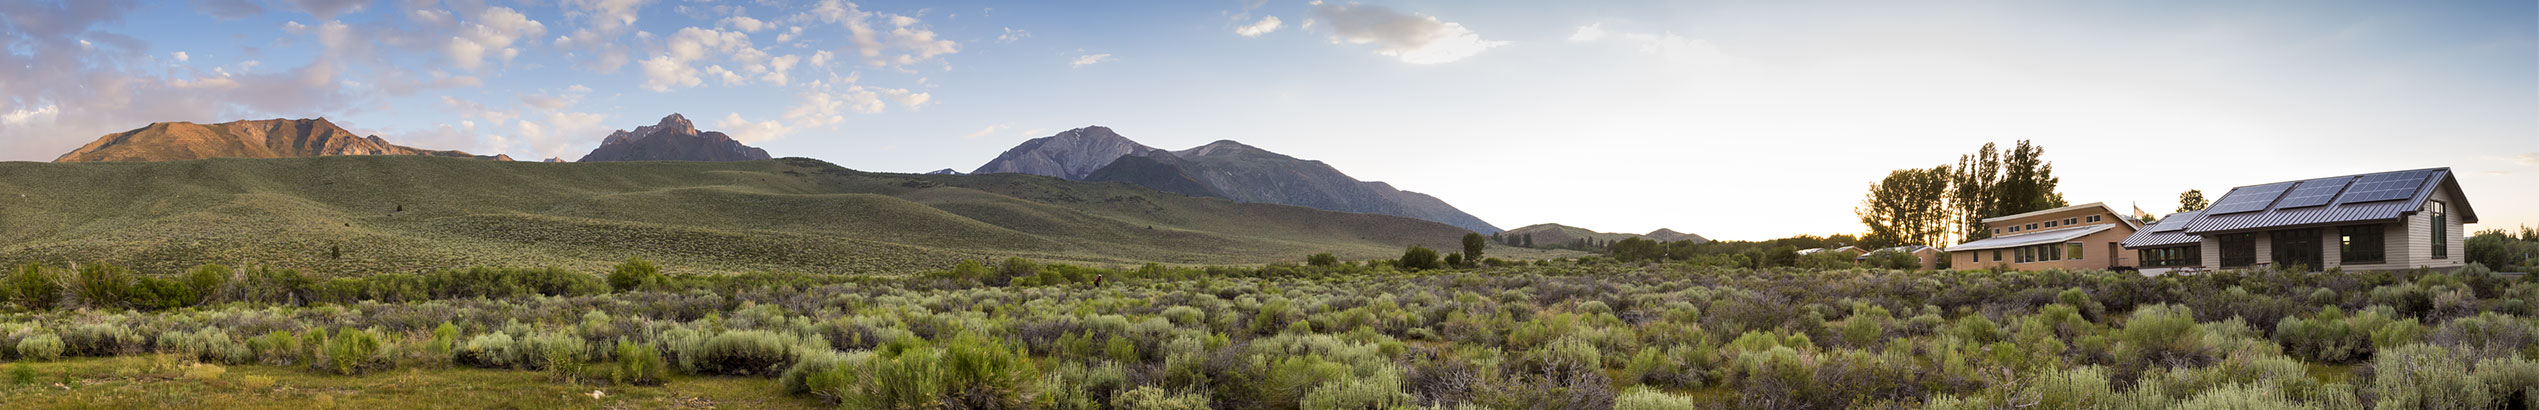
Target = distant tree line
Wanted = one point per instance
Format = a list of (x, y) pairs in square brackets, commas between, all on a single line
[(1948, 203)]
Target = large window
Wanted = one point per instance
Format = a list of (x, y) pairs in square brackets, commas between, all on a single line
[(2441, 228), (1996, 255), (2190, 255), (2239, 250), (2072, 250), (2360, 244), (2025, 255)]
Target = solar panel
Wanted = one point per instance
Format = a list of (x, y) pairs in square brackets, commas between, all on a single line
[(2175, 222), (2248, 199), (2386, 186), (2314, 192)]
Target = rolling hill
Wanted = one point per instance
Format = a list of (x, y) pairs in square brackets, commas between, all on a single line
[(401, 214)]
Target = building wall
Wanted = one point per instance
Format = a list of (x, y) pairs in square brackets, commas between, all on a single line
[(1930, 258), (2408, 244), (2094, 254)]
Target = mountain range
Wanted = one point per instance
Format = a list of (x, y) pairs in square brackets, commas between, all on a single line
[(1222, 169), (673, 139), (274, 138)]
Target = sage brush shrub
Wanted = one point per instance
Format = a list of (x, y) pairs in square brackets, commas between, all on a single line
[(744, 353), (35, 286), (41, 347), (355, 351)]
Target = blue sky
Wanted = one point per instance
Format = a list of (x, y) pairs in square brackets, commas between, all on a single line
[(1743, 120)]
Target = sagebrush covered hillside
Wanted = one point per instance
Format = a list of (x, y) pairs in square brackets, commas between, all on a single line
[(368, 214)]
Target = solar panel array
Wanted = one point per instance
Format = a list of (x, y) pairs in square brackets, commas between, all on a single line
[(2249, 199), (2175, 222), (2386, 186), (2314, 192)]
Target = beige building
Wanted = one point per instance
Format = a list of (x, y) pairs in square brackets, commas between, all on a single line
[(2382, 221), (2085, 236)]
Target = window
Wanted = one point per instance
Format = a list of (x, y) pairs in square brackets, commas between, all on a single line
[(2031, 227), (2189, 255), (1996, 231), (2360, 244), (2093, 218), (2014, 229), (2049, 224), (2072, 250), (2051, 252), (2441, 229), (2027, 254), (2073, 221), (2239, 250), (1996, 255)]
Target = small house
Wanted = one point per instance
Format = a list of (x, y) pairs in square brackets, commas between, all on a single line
[(2085, 236), (2381, 221)]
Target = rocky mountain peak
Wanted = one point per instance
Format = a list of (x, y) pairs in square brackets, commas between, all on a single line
[(672, 139)]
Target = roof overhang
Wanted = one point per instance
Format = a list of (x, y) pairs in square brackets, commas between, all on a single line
[(2129, 221), (2042, 237)]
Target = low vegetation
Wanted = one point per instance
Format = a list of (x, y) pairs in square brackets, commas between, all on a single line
[(1330, 334)]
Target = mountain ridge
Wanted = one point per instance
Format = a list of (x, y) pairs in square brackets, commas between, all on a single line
[(674, 138), (269, 138), (1222, 169)]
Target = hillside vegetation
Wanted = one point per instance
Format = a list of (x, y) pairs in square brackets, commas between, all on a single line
[(376, 214)]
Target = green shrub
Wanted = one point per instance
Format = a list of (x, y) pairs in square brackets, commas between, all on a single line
[(36, 287), (355, 351), (744, 353), (103, 286), (1419, 258), (2163, 336), (491, 350), (276, 348), (444, 345), (640, 364), (1644, 398), (2427, 377), (1152, 398), (556, 352), (40, 347), (981, 373), (636, 273), (1324, 259), (205, 282)]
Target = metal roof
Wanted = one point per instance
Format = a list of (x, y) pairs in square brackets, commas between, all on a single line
[(2099, 205), (2169, 231), (2189, 227), (2038, 237), (2342, 212)]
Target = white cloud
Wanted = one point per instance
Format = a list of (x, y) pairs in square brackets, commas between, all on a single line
[(1089, 59), (1268, 24), (674, 67), (24, 117), (1414, 38), (2527, 158), (745, 24), (494, 29), (1012, 35), (179, 56), (751, 132), (899, 40)]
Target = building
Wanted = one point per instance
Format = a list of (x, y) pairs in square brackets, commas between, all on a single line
[(2382, 221), (1853, 250), (2085, 236), (1930, 256)]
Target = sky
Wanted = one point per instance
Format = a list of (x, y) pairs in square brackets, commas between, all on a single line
[(1734, 120)]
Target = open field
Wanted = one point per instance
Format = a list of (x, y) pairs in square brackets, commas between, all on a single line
[(388, 214), (1556, 334)]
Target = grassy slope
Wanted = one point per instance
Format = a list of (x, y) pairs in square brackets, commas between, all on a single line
[(794, 215)]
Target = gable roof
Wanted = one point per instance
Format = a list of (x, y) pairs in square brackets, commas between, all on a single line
[(2277, 212), (2032, 238), (2100, 205)]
